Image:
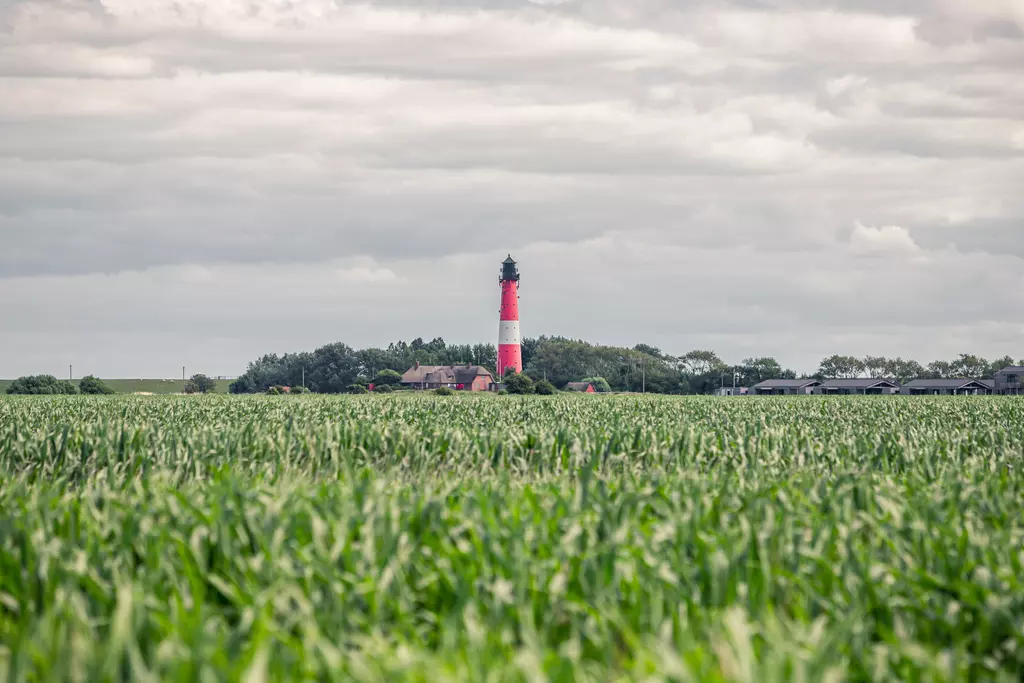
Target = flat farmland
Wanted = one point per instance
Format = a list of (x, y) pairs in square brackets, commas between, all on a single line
[(487, 538), (131, 386)]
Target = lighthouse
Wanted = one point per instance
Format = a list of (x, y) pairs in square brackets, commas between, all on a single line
[(510, 353)]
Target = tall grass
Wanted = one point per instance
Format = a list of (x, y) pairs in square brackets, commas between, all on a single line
[(520, 539)]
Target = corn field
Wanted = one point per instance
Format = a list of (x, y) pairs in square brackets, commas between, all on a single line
[(466, 538)]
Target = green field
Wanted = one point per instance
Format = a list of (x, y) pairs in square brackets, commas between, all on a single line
[(131, 386), (486, 538)]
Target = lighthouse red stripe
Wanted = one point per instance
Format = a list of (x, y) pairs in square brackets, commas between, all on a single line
[(510, 300)]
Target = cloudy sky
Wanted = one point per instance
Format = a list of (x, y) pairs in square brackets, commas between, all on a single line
[(197, 182)]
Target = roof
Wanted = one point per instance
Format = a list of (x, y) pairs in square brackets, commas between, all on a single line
[(578, 386), (859, 383), (947, 383), (785, 383), (1013, 368), (444, 374), (509, 260)]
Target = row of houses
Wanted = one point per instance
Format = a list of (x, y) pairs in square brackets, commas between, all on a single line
[(1005, 382)]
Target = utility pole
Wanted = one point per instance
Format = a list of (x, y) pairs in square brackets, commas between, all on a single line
[(303, 376), (643, 376), (71, 374)]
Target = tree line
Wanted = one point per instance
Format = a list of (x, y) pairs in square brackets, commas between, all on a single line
[(339, 368), (878, 367)]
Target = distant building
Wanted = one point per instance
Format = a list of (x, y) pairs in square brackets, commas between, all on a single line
[(1007, 382), (785, 387), (948, 387), (732, 391), (459, 377), (581, 387), (857, 387)]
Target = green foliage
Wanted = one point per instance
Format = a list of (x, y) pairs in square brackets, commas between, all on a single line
[(298, 391), (93, 385), (518, 384), (600, 384), (274, 391), (356, 389), (502, 392), (332, 368), (443, 391), (387, 378), (200, 384), (544, 388), (41, 385), (383, 389), (632, 538)]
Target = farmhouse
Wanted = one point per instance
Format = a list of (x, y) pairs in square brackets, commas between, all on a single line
[(784, 387), (1008, 381), (460, 377), (581, 387), (858, 386), (948, 387)]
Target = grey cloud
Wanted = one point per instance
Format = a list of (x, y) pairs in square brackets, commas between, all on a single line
[(169, 168)]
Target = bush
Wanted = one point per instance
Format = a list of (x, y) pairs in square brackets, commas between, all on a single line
[(519, 384), (355, 389), (274, 391), (502, 392), (443, 391), (544, 388), (94, 386), (600, 384), (383, 389), (300, 390), (37, 385)]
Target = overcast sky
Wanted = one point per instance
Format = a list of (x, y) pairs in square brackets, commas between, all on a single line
[(199, 182)]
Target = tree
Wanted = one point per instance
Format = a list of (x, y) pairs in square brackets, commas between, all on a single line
[(39, 385), (544, 388), (701, 362), (387, 378), (518, 384), (940, 369), (841, 367), (876, 366), (200, 384), (755, 370), (648, 350), (93, 385), (971, 366), (355, 389), (904, 370)]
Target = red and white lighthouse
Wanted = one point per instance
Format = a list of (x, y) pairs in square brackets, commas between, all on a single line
[(510, 352)]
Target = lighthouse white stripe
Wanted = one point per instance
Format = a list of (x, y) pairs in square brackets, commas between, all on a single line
[(508, 332)]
